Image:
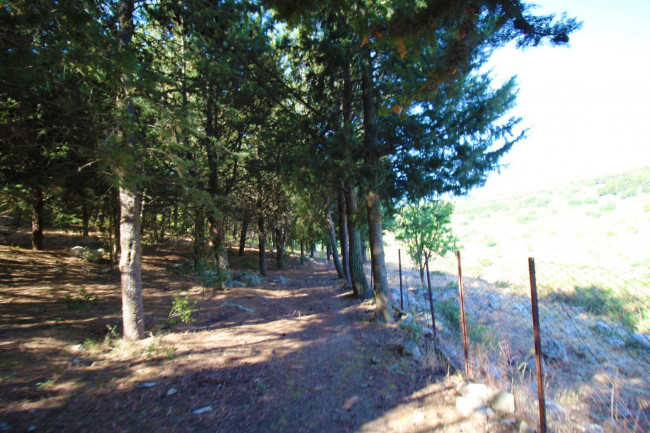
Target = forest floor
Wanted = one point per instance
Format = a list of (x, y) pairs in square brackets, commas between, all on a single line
[(293, 354)]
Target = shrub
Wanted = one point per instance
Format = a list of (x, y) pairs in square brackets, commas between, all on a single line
[(181, 310)]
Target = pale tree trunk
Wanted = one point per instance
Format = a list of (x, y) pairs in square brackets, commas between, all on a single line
[(219, 243), (383, 308), (262, 241), (343, 235), (242, 238), (360, 286), (130, 260), (198, 253), (38, 203), (333, 250), (130, 250)]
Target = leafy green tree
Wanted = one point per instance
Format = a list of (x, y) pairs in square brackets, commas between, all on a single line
[(425, 229)]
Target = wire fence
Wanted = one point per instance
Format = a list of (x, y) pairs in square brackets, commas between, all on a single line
[(594, 328)]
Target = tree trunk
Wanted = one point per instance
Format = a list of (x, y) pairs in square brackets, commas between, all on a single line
[(242, 238), (328, 252), (38, 203), (333, 250), (383, 309), (343, 235), (130, 205), (198, 253), (360, 286), (302, 251), (279, 248), (262, 244), (85, 216), (130, 259), (217, 232), (164, 220), (312, 251)]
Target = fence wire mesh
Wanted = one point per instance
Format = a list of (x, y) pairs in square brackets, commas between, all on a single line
[(595, 331)]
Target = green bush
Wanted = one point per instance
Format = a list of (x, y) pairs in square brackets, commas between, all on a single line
[(181, 310), (608, 207)]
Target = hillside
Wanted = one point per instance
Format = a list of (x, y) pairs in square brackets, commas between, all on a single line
[(597, 222)]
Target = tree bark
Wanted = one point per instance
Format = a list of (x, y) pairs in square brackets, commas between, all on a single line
[(242, 237), (333, 250), (38, 203), (85, 216), (217, 232), (360, 286), (279, 248), (383, 309), (343, 235), (198, 253), (130, 259), (130, 206), (262, 243)]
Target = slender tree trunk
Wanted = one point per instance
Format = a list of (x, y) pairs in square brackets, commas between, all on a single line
[(302, 251), (130, 205), (343, 235), (217, 232), (279, 248), (383, 310), (198, 254), (262, 242), (328, 252), (333, 250), (130, 259), (164, 220), (360, 286), (244, 231), (85, 216), (312, 250), (38, 203)]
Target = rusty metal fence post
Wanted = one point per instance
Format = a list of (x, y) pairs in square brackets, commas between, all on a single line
[(462, 313), (538, 346), (433, 316), (401, 298)]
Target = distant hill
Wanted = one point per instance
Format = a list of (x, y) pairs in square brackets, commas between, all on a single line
[(604, 221)]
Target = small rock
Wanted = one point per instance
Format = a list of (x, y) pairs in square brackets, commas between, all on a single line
[(615, 341), (642, 339), (553, 407), (171, 391), (147, 385), (411, 349), (554, 350), (249, 278), (241, 307), (503, 402), (476, 390), (202, 410), (235, 283), (467, 405), (593, 428), (374, 360), (31, 428), (525, 428), (77, 348), (602, 327), (280, 280)]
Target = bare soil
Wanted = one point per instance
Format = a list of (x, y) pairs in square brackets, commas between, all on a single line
[(302, 356)]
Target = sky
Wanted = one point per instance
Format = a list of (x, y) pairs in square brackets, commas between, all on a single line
[(587, 106)]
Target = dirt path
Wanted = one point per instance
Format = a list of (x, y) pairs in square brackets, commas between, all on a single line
[(288, 356)]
